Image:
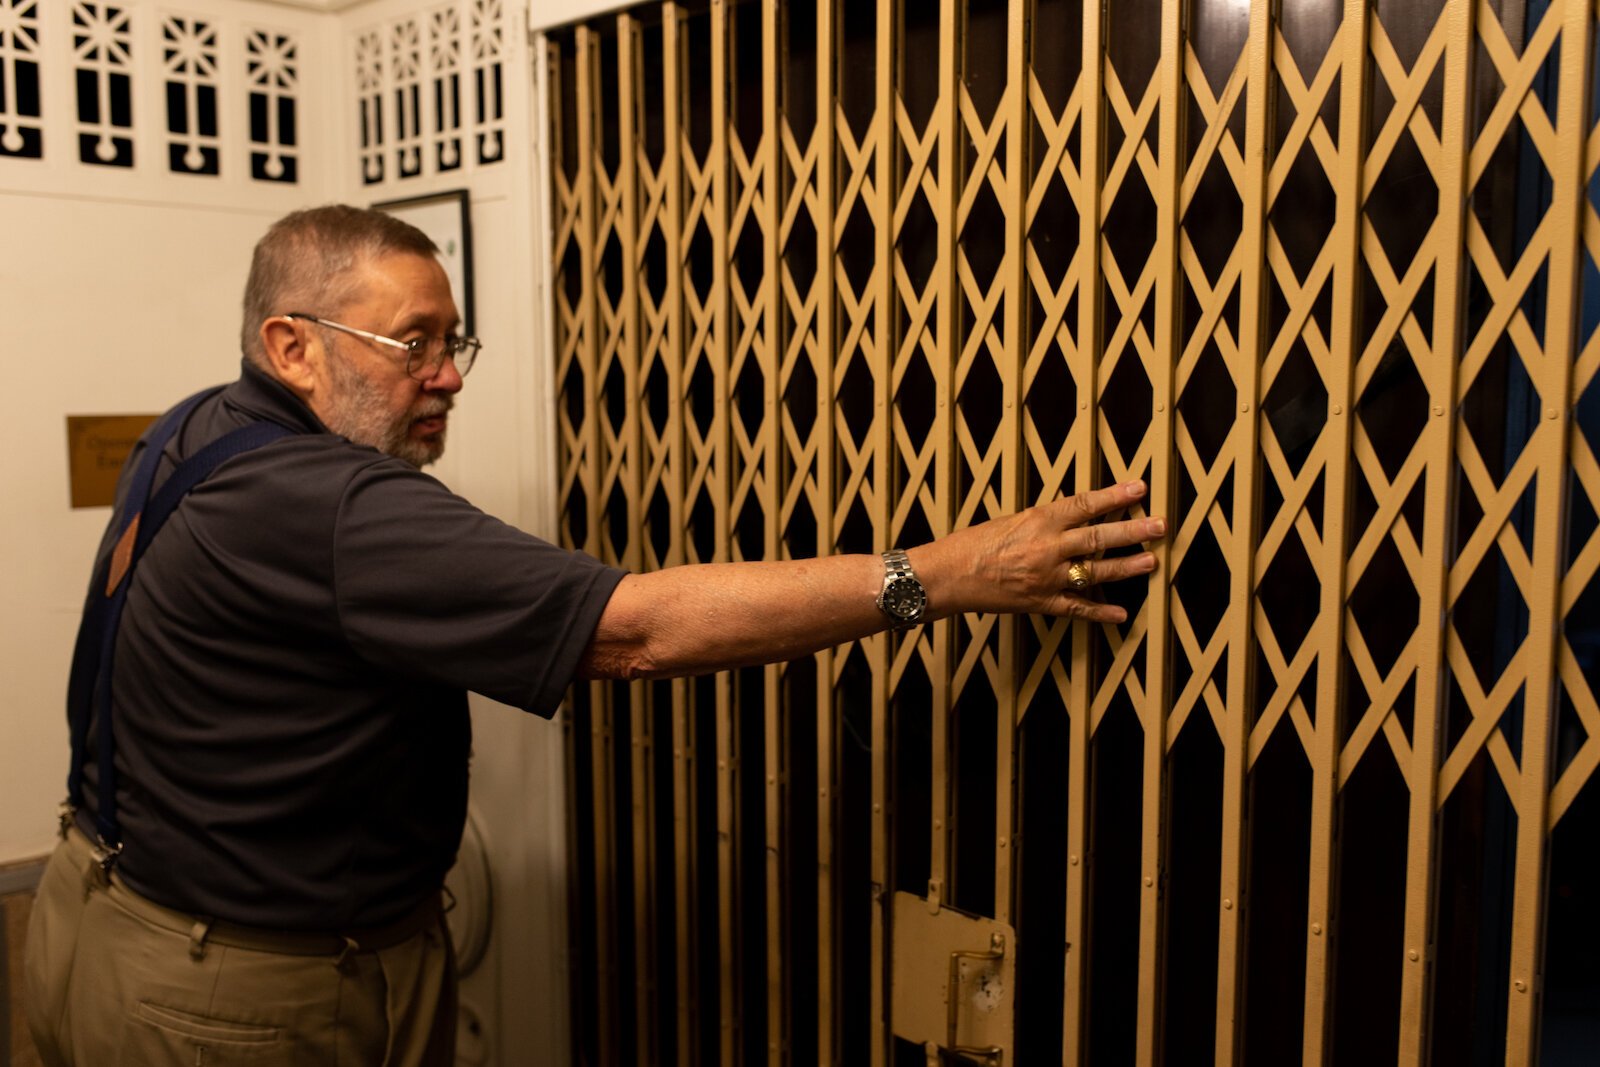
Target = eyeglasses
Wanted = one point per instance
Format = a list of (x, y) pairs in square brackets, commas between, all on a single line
[(424, 356)]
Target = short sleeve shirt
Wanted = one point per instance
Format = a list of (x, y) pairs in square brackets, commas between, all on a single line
[(290, 683)]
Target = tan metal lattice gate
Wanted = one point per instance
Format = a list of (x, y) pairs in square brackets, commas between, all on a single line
[(833, 278)]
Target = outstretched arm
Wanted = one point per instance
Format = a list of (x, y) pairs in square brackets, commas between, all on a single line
[(697, 619)]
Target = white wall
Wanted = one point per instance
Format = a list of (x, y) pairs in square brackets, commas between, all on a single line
[(120, 293), (109, 308), (119, 290)]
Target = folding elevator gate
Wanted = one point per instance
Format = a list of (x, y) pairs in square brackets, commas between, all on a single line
[(833, 277)]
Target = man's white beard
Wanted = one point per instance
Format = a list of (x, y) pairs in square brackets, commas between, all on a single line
[(360, 413)]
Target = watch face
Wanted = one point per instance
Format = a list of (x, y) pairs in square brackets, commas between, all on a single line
[(904, 598)]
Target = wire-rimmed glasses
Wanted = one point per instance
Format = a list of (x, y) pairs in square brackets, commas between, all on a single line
[(424, 355)]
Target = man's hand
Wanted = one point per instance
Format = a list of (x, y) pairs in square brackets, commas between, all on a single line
[(1020, 563), (711, 617)]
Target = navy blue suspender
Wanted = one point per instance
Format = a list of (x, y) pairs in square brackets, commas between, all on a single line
[(141, 517)]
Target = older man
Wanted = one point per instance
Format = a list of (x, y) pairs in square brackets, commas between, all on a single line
[(269, 698)]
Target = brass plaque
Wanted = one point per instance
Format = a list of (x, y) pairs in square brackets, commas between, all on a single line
[(97, 445)]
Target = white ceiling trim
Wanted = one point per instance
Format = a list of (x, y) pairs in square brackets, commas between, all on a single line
[(542, 14), (327, 7)]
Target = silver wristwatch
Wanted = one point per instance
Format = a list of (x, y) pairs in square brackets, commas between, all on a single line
[(902, 599)]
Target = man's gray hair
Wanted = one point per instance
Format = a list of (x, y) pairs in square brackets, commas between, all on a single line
[(308, 261)]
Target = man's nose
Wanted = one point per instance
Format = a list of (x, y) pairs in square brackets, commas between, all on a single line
[(444, 380)]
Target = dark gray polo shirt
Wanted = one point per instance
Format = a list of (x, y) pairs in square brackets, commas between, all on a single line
[(292, 666)]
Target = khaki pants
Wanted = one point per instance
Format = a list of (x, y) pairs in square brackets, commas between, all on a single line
[(113, 979)]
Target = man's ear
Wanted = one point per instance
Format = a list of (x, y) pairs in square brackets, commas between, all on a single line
[(288, 355)]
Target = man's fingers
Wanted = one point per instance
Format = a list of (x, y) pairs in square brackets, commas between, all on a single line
[(1084, 507), (1092, 540), (1075, 607), (1080, 574)]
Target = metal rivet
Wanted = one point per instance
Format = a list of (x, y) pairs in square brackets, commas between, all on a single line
[(1227, 904), (1550, 413), (822, 792), (1316, 928), (1002, 842), (877, 807), (1160, 406), (1413, 955), (1438, 409), (1244, 407), (1148, 880), (938, 824), (1083, 405), (1073, 860), (771, 780), (1522, 987), (1338, 409)]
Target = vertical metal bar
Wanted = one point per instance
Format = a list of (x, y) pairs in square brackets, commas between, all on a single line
[(1241, 554), (684, 849), (883, 347), (548, 82), (1153, 714), (826, 147), (577, 906), (586, 234), (579, 909), (1422, 849), (727, 814), (947, 117), (631, 475), (1554, 382), (769, 351), (1090, 92), (1331, 564), (1014, 332), (588, 84)]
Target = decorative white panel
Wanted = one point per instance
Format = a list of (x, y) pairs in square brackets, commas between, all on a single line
[(488, 67), (405, 64), (102, 56), (369, 101), (189, 61), (444, 51), (20, 133), (272, 63), (430, 97), (189, 101)]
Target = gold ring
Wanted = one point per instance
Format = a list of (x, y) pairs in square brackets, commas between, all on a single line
[(1078, 575)]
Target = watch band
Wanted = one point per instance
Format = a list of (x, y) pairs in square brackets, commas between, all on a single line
[(896, 564)]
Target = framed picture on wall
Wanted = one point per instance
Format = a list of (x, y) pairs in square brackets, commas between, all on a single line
[(446, 217)]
